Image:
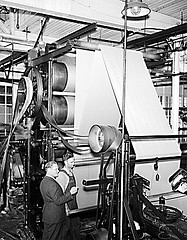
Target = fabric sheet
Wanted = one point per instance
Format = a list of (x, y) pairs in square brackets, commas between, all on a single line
[(144, 115)]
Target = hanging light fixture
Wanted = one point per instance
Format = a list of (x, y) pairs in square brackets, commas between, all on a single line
[(136, 9)]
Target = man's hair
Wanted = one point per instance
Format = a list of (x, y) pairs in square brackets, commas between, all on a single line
[(49, 164), (67, 155), (60, 165)]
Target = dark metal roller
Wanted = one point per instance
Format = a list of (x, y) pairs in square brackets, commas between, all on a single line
[(63, 109), (64, 74), (59, 109), (60, 79)]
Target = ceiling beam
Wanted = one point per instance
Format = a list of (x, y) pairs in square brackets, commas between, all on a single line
[(15, 58), (78, 34), (53, 54)]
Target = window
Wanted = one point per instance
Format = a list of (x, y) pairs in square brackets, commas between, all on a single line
[(5, 106)]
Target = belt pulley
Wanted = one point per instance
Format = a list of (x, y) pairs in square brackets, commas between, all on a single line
[(37, 83)]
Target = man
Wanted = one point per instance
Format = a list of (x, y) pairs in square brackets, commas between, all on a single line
[(56, 226), (67, 180)]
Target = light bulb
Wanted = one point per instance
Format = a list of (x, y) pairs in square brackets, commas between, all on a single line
[(135, 10)]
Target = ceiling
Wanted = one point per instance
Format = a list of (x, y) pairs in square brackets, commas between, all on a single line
[(29, 23), (22, 26), (173, 8)]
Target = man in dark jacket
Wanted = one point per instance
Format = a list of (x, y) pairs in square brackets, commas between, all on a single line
[(56, 226)]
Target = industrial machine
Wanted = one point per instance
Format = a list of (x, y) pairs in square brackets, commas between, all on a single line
[(70, 97)]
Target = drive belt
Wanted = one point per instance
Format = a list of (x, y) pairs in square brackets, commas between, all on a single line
[(25, 92), (63, 133)]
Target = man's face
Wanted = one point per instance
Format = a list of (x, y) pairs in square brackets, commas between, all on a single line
[(70, 163), (53, 171)]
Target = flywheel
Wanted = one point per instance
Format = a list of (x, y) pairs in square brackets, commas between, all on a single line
[(37, 83)]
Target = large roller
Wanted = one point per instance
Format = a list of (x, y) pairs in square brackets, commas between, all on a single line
[(64, 74), (63, 108)]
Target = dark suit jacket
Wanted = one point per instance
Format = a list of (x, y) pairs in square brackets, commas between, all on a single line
[(54, 199)]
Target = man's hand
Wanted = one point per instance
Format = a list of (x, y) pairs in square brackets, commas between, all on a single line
[(74, 190)]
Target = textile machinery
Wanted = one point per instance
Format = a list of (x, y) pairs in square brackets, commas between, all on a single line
[(70, 97)]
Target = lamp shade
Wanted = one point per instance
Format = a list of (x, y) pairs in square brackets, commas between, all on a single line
[(136, 8)]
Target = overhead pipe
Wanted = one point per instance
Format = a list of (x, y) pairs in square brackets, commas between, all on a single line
[(9, 50), (85, 45), (153, 56), (95, 46), (16, 39), (158, 36)]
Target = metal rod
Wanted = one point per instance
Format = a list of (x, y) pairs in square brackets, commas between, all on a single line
[(28, 177), (117, 179), (50, 81), (124, 177), (160, 159), (99, 191), (41, 31), (110, 221), (97, 181), (148, 137)]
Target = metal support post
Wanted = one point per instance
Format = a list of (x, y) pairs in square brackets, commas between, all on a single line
[(50, 83)]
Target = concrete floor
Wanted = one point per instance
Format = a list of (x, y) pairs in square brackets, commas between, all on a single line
[(12, 226), (9, 222), (12, 222)]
